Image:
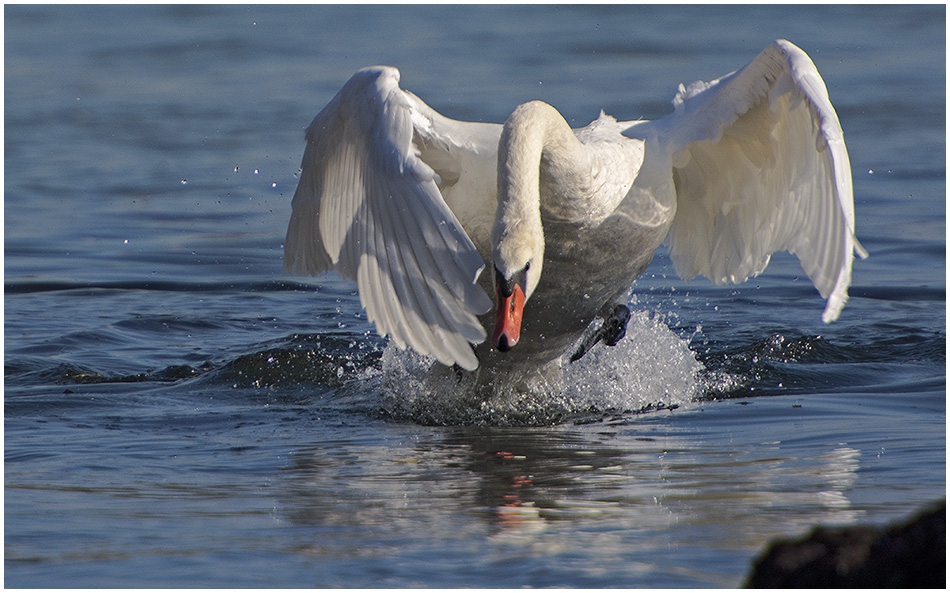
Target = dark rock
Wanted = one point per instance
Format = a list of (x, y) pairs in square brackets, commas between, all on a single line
[(909, 555)]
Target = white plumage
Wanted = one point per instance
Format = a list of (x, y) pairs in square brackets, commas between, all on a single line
[(412, 205)]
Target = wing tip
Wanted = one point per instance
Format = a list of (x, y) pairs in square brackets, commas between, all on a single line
[(833, 308)]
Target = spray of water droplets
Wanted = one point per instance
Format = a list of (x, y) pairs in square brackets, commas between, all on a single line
[(650, 368)]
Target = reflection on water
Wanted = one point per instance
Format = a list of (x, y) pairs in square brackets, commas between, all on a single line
[(554, 492)]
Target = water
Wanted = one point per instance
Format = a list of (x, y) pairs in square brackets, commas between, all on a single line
[(179, 414)]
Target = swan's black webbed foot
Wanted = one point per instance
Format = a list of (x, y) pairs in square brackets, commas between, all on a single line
[(615, 326), (611, 332)]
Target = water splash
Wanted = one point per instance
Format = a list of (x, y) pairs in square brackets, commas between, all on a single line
[(650, 368)]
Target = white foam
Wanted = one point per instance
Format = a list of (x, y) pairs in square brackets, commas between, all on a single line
[(651, 367)]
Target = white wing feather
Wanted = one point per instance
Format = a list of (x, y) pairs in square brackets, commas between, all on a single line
[(760, 165), (368, 207)]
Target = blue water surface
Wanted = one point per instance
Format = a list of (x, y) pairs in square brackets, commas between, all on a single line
[(180, 414)]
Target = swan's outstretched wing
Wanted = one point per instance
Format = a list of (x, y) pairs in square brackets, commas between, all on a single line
[(760, 165), (370, 208)]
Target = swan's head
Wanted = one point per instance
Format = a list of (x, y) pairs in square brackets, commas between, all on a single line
[(518, 260)]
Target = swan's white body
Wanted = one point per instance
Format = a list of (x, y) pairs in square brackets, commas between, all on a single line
[(412, 204)]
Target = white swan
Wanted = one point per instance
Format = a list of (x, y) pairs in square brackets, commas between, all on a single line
[(412, 204)]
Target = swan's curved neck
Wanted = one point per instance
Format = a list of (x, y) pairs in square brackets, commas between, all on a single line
[(537, 146), (536, 137)]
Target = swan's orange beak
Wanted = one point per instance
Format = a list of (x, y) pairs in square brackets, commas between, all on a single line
[(508, 319)]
